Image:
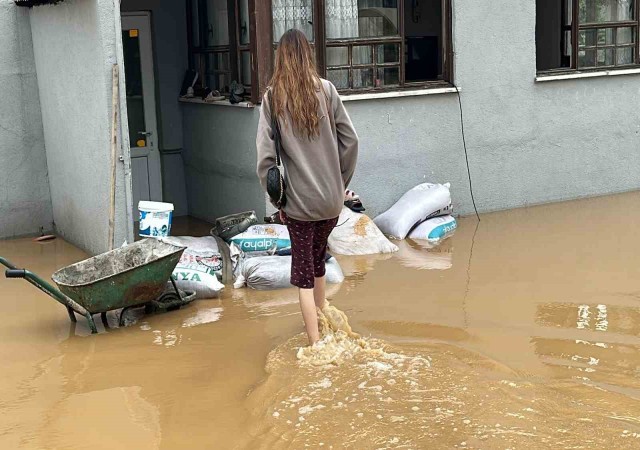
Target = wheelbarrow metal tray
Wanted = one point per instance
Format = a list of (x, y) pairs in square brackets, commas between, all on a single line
[(128, 276)]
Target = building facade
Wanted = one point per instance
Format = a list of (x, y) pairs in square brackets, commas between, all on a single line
[(546, 93)]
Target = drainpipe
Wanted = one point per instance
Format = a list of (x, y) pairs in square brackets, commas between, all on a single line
[(125, 157)]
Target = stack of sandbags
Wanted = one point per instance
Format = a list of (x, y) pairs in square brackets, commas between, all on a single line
[(200, 267), (264, 273), (418, 206), (356, 234)]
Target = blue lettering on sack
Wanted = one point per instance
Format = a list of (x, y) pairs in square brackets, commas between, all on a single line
[(443, 230), (261, 244)]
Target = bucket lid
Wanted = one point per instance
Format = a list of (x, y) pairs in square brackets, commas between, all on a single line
[(154, 206)]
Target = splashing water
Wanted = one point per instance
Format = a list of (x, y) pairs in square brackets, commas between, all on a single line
[(340, 343)]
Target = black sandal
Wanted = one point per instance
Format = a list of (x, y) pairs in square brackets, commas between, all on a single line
[(355, 205)]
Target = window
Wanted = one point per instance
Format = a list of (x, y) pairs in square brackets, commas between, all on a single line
[(219, 43), (586, 34), (360, 45), (373, 44)]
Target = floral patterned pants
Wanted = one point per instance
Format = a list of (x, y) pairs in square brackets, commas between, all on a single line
[(308, 250)]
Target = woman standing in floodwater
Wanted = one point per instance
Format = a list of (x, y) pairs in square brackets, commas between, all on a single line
[(319, 153)]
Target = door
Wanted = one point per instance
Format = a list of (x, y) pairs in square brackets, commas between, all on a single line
[(141, 108)]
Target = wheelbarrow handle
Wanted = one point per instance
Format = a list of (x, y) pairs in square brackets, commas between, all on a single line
[(71, 305), (15, 273)]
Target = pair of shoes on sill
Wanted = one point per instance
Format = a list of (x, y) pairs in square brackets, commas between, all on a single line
[(214, 96)]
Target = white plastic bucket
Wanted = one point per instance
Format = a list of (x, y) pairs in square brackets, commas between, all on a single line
[(155, 219)]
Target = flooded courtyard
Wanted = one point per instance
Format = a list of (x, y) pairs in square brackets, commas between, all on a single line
[(520, 332)]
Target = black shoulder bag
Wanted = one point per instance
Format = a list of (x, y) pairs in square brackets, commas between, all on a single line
[(276, 185)]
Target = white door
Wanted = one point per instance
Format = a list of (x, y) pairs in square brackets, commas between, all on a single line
[(141, 108)]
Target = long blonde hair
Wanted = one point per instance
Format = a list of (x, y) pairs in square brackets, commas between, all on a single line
[(294, 84)]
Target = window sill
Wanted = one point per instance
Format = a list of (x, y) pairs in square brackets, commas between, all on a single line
[(576, 75), (397, 94), (218, 103)]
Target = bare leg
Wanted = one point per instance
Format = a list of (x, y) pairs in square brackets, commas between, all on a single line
[(309, 314), (319, 293)]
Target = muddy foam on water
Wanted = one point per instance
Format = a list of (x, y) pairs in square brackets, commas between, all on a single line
[(339, 343), (349, 391)]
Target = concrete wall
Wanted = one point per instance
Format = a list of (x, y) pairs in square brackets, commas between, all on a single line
[(169, 38), (528, 142), (25, 202), (75, 45), (220, 160), (538, 142)]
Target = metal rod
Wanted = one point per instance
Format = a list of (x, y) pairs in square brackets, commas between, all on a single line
[(115, 97), (173, 282)]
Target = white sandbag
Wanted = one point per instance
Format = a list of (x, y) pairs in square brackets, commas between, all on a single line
[(263, 238), (435, 230), (356, 234), (200, 266), (267, 273), (419, 204)]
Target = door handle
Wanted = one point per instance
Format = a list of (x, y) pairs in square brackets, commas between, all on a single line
[(145, 133)]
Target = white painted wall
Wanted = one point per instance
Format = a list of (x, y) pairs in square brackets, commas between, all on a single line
[(25, 203), (75, 45)]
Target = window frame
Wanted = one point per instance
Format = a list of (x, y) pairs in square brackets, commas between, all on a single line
[(400, 38), (262, 49), (234, 48), (576, 27)]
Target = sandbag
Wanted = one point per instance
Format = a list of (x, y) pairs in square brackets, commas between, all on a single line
[(267, 273), (356, 234), (201, 264), (435, 230), (419, 204), (263, 238)]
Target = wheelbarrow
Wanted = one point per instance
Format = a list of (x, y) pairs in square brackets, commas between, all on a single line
[(128, 277)]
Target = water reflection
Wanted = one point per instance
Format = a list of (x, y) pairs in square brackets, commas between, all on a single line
[(423, 256), (590, 317)]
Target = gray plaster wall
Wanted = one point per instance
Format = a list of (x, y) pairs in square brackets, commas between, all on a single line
[(25, 202), (220, 160), (534, 142), (75, 45), (169, 38), (528, 142)]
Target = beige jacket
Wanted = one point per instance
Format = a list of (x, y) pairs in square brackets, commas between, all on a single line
[(316, 171)]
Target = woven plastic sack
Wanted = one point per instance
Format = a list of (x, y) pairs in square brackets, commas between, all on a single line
[(419, 204), (356, 234), (435, 230), (267, 273), (263, 238), (200, 267)]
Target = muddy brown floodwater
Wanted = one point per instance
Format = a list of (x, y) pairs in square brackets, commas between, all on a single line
[(522, 331)]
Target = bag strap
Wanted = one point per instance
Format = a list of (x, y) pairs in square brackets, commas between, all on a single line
[(329, 111), (275, 130)]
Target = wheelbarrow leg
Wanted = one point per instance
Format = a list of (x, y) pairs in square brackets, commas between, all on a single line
[(175, 288), (92, 324), (72, 315), (103, 316)]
